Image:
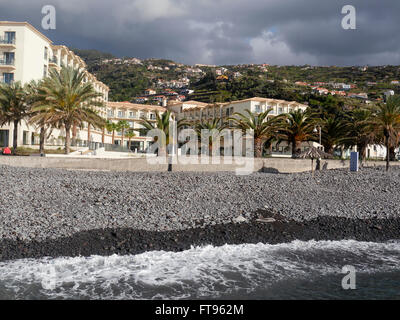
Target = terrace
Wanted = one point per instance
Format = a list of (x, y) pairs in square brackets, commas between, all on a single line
[(7, 42)]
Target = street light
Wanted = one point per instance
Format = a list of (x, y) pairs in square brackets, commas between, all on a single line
[(320, 133), (320, 143)]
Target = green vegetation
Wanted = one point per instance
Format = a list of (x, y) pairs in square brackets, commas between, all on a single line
[(13, 107), (128, 80), (64, 101), (263, 128)]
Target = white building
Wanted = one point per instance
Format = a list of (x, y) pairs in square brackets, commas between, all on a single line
[(132, 113), (26, 54), (194, 110), (199, 111), (388, 94)]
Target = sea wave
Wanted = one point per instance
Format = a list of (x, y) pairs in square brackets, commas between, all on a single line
[(230, 271)]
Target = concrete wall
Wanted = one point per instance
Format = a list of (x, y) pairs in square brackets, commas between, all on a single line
[(266, 165)]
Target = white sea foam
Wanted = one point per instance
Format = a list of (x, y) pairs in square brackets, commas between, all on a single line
[(196, 273)]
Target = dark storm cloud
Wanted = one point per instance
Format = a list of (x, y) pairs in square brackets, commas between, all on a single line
[(224, 31)]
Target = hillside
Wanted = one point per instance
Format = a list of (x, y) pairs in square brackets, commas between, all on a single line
[(128, 78)]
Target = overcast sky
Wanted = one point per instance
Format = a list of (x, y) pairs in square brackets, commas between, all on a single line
[(285, 32)]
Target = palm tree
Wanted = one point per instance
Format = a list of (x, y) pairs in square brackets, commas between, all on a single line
[(130, 134), (122, 126), (360, 132), (386, 121), (334, 132), (41, 120), (295, 127), (215, 127), (163, 123), (66, 100), (263, 128), (14, 107), (111, 127)]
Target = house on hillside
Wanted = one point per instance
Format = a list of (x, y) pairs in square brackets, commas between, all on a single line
[(150, 92)]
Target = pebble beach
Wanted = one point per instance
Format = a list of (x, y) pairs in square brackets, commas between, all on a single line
[(55, 212)]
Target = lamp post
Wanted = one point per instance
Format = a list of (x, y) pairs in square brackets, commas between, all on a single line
[(320, 143), (320, 133)]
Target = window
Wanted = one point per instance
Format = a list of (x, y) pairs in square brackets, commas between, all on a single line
[(257, 108), (44, 71), (152, 116), (4, 138), (121, 114), (9, 58), (111, 113), (46, 53), (8, 77), (9, 37), (132, 114), (25, 137)]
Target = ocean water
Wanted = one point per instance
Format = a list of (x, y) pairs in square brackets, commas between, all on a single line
[(297, 270)]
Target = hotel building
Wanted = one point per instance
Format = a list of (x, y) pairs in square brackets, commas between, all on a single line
[(132, 113), (198, 111), (25, 55)]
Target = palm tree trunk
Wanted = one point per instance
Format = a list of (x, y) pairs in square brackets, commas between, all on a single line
[(387, 154), (122, 138), (258, 147), (113, 136), (312, 167), (329, 148), (42, 138), (67, 138), (295, 147), (74, 133), (362, 149), (392, 154), (88, 134), (129, 144), (103, 136), (15, 136)]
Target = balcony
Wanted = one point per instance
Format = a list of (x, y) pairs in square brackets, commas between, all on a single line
[(7, 64), (53, 62), (3, 81), (7, 43)]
